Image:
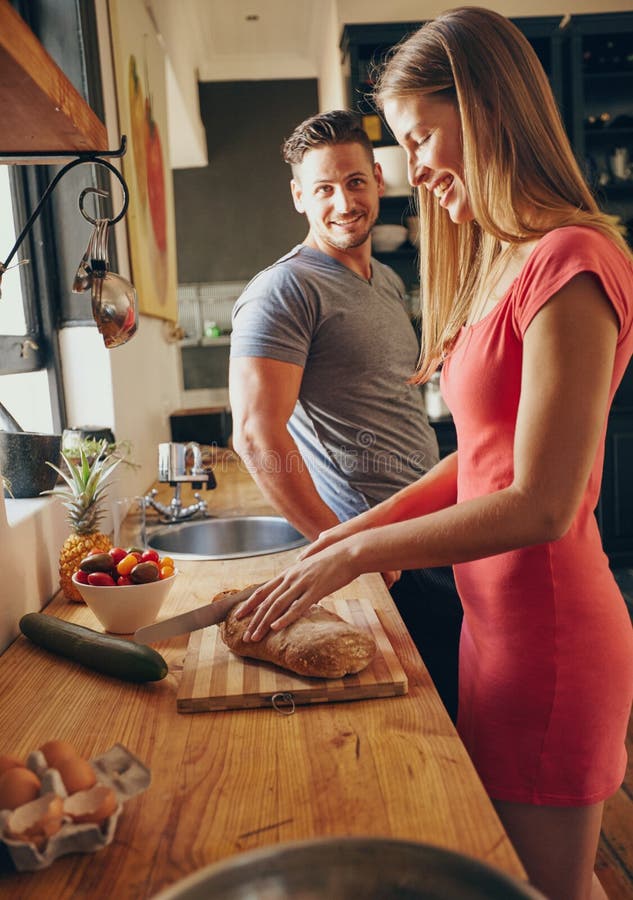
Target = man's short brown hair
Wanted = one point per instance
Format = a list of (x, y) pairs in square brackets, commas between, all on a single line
[(339, 126)]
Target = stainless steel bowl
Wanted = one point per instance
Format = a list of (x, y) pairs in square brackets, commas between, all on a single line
[(350, 869)]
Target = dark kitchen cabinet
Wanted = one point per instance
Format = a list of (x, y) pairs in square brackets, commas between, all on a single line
[(446, 436), (601, 60), (589, 62), (362, 48), (404, 260), (615, 509), (601, 131)]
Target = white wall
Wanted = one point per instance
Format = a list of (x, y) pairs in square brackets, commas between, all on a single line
[(134, 388), (187, 138), (331, 84), (31, 532)]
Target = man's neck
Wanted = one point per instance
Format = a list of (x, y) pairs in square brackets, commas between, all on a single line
[(358, 259)]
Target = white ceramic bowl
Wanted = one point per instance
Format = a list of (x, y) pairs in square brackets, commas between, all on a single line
[(122, 610), (386, 238), (393, 162)]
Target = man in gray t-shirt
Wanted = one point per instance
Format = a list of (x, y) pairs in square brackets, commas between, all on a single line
[(321, 352), (360, 427)]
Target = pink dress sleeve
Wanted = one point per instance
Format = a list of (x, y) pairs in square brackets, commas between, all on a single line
[(559, 257)]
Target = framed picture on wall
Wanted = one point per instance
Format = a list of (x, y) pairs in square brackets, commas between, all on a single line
[(140, 73)]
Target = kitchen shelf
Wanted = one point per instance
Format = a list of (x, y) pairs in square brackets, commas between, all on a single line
[(613, 73), (612, 192), (608, 133), (41, 109), (222, 341)]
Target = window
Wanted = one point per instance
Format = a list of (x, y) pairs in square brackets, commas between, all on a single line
[(36, 298), (25, 379)]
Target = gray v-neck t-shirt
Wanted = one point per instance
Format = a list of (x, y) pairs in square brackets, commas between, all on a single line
[(361, 429)]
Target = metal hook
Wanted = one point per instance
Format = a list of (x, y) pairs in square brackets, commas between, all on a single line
[(280, 698), (81, 159), (90, 190), (102, 193)]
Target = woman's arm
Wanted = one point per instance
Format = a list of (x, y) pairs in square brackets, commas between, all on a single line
[(568, 358), (436, 489)]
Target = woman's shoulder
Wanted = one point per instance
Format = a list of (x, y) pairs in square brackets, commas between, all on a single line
[(565, 252), (577, 241), (562, 254)]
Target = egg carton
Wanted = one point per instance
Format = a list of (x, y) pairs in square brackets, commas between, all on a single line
[(118, 769)]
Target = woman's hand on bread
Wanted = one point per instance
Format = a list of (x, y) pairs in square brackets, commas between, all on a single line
[(288, 596)]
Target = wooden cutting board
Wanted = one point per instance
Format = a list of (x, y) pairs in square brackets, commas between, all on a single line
[(214, 678)]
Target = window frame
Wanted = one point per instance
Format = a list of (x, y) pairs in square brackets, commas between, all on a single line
[(38, 347), (45, 281)]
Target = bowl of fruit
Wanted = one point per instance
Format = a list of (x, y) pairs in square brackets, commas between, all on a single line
[(125, 589)]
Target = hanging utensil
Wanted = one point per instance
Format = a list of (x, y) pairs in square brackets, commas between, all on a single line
[(83, 276), (114, 301), (113, 297), (114, 305)]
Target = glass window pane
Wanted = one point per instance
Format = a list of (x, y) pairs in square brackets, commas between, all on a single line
[(27, 397), (12, 319)]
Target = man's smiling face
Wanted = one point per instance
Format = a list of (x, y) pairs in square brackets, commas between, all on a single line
[(338, 188)]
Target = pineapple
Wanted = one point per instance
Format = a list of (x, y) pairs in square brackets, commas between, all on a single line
[(83, 498)]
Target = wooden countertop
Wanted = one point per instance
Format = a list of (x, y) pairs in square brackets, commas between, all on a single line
[(228, 782)]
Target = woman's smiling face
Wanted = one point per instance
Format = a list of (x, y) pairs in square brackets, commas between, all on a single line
[(429, 130)]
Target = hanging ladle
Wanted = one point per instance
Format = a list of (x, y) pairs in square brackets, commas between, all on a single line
[(114, 300), (83, 276)]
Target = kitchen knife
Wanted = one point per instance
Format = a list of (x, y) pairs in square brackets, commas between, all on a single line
[(202, 617)]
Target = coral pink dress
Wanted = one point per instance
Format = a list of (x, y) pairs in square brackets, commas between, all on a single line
[(546, 655)]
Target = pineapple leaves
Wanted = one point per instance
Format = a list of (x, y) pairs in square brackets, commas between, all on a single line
[(85, 480)]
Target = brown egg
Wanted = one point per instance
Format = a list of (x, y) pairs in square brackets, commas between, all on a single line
[(95, 805), (77, 774), (17, 787), (55, 752), (10, 761)]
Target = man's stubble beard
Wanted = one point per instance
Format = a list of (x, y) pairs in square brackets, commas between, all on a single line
[(350, 242)]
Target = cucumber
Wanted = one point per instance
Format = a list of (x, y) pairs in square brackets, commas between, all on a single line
[(103, 652)]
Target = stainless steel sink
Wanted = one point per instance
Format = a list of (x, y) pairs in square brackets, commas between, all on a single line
[(231, 538)]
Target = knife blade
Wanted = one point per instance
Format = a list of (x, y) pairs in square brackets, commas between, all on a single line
[(202, 617)]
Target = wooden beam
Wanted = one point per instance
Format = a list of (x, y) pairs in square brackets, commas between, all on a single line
[(40, 110)]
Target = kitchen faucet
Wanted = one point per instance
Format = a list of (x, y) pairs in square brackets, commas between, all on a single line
[(173, 468)]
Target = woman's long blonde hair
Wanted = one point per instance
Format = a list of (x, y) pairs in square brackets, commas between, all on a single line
[(520, 172)]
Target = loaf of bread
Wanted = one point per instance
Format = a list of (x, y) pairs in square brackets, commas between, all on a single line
[(320, 644)]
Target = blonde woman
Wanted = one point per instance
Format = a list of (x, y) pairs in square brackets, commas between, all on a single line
[(528, 306)]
